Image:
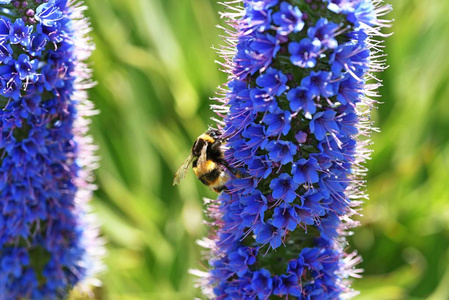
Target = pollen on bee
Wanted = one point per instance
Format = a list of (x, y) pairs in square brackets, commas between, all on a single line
[(206, 167), (207, 138)]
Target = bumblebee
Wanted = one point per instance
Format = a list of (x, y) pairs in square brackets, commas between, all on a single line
[(207, 159)]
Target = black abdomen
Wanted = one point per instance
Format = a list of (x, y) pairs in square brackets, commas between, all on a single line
[(210, 177)]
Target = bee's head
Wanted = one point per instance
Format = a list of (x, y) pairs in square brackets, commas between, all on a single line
[(214, 133)]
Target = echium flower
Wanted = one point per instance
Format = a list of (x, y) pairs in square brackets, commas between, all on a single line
[(48, 238), (296, 119)]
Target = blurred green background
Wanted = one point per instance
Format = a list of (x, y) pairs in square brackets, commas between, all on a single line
[(155, 71)]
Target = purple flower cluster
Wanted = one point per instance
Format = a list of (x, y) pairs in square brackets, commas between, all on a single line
[(297, 103), (48, 239)]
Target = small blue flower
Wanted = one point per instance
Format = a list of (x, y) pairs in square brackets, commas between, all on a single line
[(245, 185), (284, 188), (325, 32), (48, 14), (260, 167), (329, 148), (50, 78), (285, 217), (235, 87), (262, 101), (348, 57), (14, 260), (319, 83), (5, 53), (312, 201), (288, 18), (301, 98), (323, 123), (267, 234), (363, 15), (37, 44), (25, 67), (5, 27), (255, 206), (341, 6), (304, 53), (243, 152), (257, 19), (20, 33), (348, 123), (272, 81), (256, 135), (310, 256), (287, 285), (278, 123), (281, 151), (329, 227), (331, 185), (296, 266), (52, 33), (262, 283), (262, 4), (241, 259), (243, 61), (350, 90), (305, 171), (262, 49), (10, 81)]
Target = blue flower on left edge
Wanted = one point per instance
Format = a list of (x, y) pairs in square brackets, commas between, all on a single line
[(45, 167)]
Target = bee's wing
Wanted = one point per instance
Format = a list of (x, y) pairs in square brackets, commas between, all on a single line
[(181, 173), (203, 156)]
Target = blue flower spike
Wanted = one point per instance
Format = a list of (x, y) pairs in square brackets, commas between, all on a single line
[(49, 241), (298, 92)]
